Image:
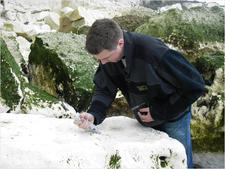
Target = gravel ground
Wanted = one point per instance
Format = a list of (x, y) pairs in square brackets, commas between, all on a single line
[(209, 160)]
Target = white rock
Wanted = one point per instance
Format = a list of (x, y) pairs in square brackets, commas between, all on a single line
[(75, 14), (40, 142), (10, 15), (24, 5), (41, 16), (66, 11), (1, 9), (190, 5), (3, 107), (174, 6), (212, 4), (52, 20), (2, 23), (24, 47)]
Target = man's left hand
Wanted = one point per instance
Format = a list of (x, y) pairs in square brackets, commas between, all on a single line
[(145, 115)]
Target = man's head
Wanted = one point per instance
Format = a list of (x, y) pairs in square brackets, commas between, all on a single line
[(105, 41)]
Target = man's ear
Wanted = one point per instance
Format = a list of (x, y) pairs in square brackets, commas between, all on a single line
[(121, 42)]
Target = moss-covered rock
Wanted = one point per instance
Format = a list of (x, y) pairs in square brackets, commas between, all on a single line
[(10, 78), (36, 98), (130, 22), (208, 63), (187, 29), (60, 65), (208, 117), (16, 92)]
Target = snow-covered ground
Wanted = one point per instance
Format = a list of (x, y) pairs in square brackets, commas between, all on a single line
[(29, 141)]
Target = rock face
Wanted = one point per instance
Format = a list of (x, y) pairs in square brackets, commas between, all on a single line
[(58, 143), (60, 66)]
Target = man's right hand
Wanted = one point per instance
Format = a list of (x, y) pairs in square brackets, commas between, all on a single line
[(86, 119)]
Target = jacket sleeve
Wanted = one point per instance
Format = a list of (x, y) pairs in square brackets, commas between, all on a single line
[(104, 94), (187, 82)]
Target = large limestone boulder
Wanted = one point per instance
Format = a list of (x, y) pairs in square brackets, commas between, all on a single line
[(59, 65), (58, 143)]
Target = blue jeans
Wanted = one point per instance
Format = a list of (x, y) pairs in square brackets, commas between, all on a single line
[(181, 131)]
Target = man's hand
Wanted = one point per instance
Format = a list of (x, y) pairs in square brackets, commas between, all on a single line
[(145, 115), (86, 119)]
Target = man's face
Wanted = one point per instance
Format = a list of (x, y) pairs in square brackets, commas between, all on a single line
[(114, 55)]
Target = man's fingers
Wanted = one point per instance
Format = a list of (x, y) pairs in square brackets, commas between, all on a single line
[(85, 124), (145, 118)]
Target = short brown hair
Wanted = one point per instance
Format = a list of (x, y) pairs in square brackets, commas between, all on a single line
[(103, 34)]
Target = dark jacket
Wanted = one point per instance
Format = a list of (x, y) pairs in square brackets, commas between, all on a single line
[(154, 74)]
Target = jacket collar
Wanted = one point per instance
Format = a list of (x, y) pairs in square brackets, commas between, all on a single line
[(128, 51)]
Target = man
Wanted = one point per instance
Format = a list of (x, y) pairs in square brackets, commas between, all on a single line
[(158, 83)]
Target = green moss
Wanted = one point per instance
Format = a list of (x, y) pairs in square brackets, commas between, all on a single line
[(114, 162), (207, 139), (9, 84), (33, 96), (83, 30), (130, 22), (186, 29), (208, 63)]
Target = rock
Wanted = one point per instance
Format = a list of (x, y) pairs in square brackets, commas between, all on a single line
[(72, 19), (1, 9), (174, 6), (11, 91), (33, 6), (189, 5), (172, 27), (60, 66), (207, 63), (75, 14), (41, 15), (13, 47), (28, 31), (24, 47), (212, 4), (52, 19), (66, 146), (17, 95), (130, 22), (208, 117)]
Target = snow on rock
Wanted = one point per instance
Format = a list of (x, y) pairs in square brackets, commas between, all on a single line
[(36, 141)]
